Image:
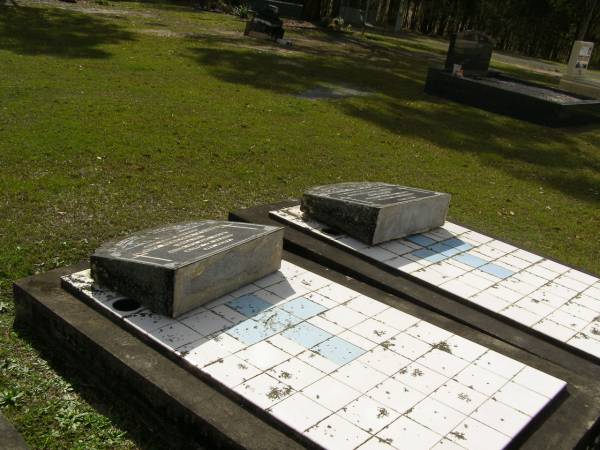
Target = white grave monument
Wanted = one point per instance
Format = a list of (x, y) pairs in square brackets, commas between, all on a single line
[(577, 79)]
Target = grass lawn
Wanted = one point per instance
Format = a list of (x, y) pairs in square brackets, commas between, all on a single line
[(121, 116)]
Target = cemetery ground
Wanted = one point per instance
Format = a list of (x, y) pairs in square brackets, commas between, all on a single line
[(118, 116)]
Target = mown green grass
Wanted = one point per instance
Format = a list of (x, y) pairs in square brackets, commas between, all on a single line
[(147, 114)]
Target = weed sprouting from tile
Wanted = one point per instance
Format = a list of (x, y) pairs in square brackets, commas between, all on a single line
[(378, 333), (382, 412), (464, 396), (276, 393), (387, 344), (442, 346), (458, 435), (417, 372), (242, 366), (385, 441), (285, 375)]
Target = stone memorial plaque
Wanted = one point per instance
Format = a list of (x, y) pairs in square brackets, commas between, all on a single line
[(176, 268), (472, 50), (376, 212)]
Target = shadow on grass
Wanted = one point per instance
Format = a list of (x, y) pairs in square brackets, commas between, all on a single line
[(552, 157), (116, 408), (56, 32)]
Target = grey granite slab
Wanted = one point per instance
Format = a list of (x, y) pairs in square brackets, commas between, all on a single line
[(176, 268), (376, 212)]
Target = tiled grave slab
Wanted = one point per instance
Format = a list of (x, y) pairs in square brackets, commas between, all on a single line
[(341, 369), (555, 300)]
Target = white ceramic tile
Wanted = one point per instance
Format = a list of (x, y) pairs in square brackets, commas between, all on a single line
[(148, 321), (357, 340), (541, 271), (589, 302), (337, 433), (366, 305), (263, 355), (586, 344), (499, 364), (475, 435), (488, 300), (428, 332), (358, 376), (521, 315), (406, 433), (174, 335), (396, 319), (317, 361), (446, 444), (527, 256), (420, 378), (343, 316), (207, 323), (264, 390), (567, 281), (436, 416), (408, 346), (384, 360), (368, 414), (480, 380), (567, 320), (338, 293), (229, 314), (374, 330), (299, 412), (459, 397), (331, 393), (465, 349), (231, 371), (521, 398), (296, 373), (535, 306), (327, 325), (554, 330), (553, 266), (285, 344), (539, 382), (501, 417), (443, 362), (460, 288)]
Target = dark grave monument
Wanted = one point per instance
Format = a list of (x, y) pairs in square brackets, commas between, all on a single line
[(466, 79), (266, 23), (376, 212), (176, 268), (472, 51)]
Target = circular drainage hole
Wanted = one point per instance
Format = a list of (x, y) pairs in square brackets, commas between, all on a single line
[(126, 305)]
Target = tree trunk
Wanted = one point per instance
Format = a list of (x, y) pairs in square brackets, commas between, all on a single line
[(585, 24)]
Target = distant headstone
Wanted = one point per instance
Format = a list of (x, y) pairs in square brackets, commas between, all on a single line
[(472, 51), (176, 268), (581, 54), (376, 212)]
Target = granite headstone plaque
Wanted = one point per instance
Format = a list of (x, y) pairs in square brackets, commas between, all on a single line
[(376, 212), (176, 268), (472, 50)]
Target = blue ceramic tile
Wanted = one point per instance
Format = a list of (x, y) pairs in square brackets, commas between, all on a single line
[(303, 308), (439, 248), (497, 271), (471, 260), (306, 334), (457, 244), (429, 255), (276, 319), (420, 240), (250, 332), (338, 350), (248, 305)]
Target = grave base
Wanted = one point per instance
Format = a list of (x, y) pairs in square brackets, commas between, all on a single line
[(10, 439), (516, 98), (589, 88), (190, 413)]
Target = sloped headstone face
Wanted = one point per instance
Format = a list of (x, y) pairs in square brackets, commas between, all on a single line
[(176, 268), (472, 50), (376, 212)]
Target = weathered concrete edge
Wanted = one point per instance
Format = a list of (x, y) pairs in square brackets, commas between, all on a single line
[(10, 439), (576, 421), (191, 413)]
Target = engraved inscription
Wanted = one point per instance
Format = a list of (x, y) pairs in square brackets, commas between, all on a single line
[(377, 194)]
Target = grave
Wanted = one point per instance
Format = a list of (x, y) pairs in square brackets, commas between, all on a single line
[(176, 268), (305, 357), (577, 79), (265, 23), (376, 212), (466, 78)]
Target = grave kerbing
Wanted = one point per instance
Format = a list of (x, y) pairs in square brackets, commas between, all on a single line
[(375, 212), (176, 268)]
